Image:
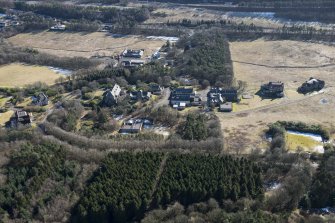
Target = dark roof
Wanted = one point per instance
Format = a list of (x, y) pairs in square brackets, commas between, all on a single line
[(183, 91), (181, 97), (155, 87), (131, 128), (228, 91)]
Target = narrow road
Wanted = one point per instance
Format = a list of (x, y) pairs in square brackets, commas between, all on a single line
[(164, 100)]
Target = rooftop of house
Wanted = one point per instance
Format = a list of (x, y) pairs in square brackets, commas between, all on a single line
[(277, 83), (20, 114), (313, 81), (181, 97), (228, 91), (116, 90), (132, 53), (140, 93), (155, 87), (183, 91), (135, 127), (226, 106)]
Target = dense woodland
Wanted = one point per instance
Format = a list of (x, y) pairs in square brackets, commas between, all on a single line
[(206, 57), (30, 170), (187, 179), (106, 15), (322, 192), (120, 190)]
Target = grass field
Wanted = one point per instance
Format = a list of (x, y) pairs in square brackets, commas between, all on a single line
[(19, 75), (259, 62), (3, 101), (295, 142), (4, 117), (84, 44)]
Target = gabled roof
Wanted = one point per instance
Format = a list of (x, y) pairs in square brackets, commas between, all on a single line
[(228, 91), (181, 97), (183, 91), (116, 90)]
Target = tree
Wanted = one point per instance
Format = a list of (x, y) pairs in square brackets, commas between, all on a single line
[(205, 84), (194, 128)]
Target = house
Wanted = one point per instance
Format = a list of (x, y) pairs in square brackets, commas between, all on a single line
[(183, 91), (58, 27), (111, 97), (196, 100), (273, 89), (20, 119), (3, 24), (156, 89), (311, 85), (226, 107), (156, 55), (140, 95), (184, 97), (230, 95), (41, 99), (216, 96), (132, 63), (133, 53), (132, 126), (179, 100)]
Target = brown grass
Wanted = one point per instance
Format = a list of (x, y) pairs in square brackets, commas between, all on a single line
[(84, 44), (4, 117), (250, 123), (19, 75)]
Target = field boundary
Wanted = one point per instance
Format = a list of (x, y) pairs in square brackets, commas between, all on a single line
[(285, 67)]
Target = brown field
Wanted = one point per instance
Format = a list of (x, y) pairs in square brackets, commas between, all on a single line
[(84, 44), (4, 117), (244, 129), (179, 13), (19, 75)]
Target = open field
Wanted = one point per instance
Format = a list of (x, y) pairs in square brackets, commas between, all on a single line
[(305, 143), (84, 44), (291, 62), (4, 117), (178, 13), (19, 75)]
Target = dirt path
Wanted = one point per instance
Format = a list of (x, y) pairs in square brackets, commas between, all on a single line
[(158, 176), (285, 67), (280, 104), (164, 100), (88, 51)]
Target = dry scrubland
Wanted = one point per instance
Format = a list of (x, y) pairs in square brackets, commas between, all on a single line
[(245, 129), (84, 44), (174, 14), (19, 75)]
